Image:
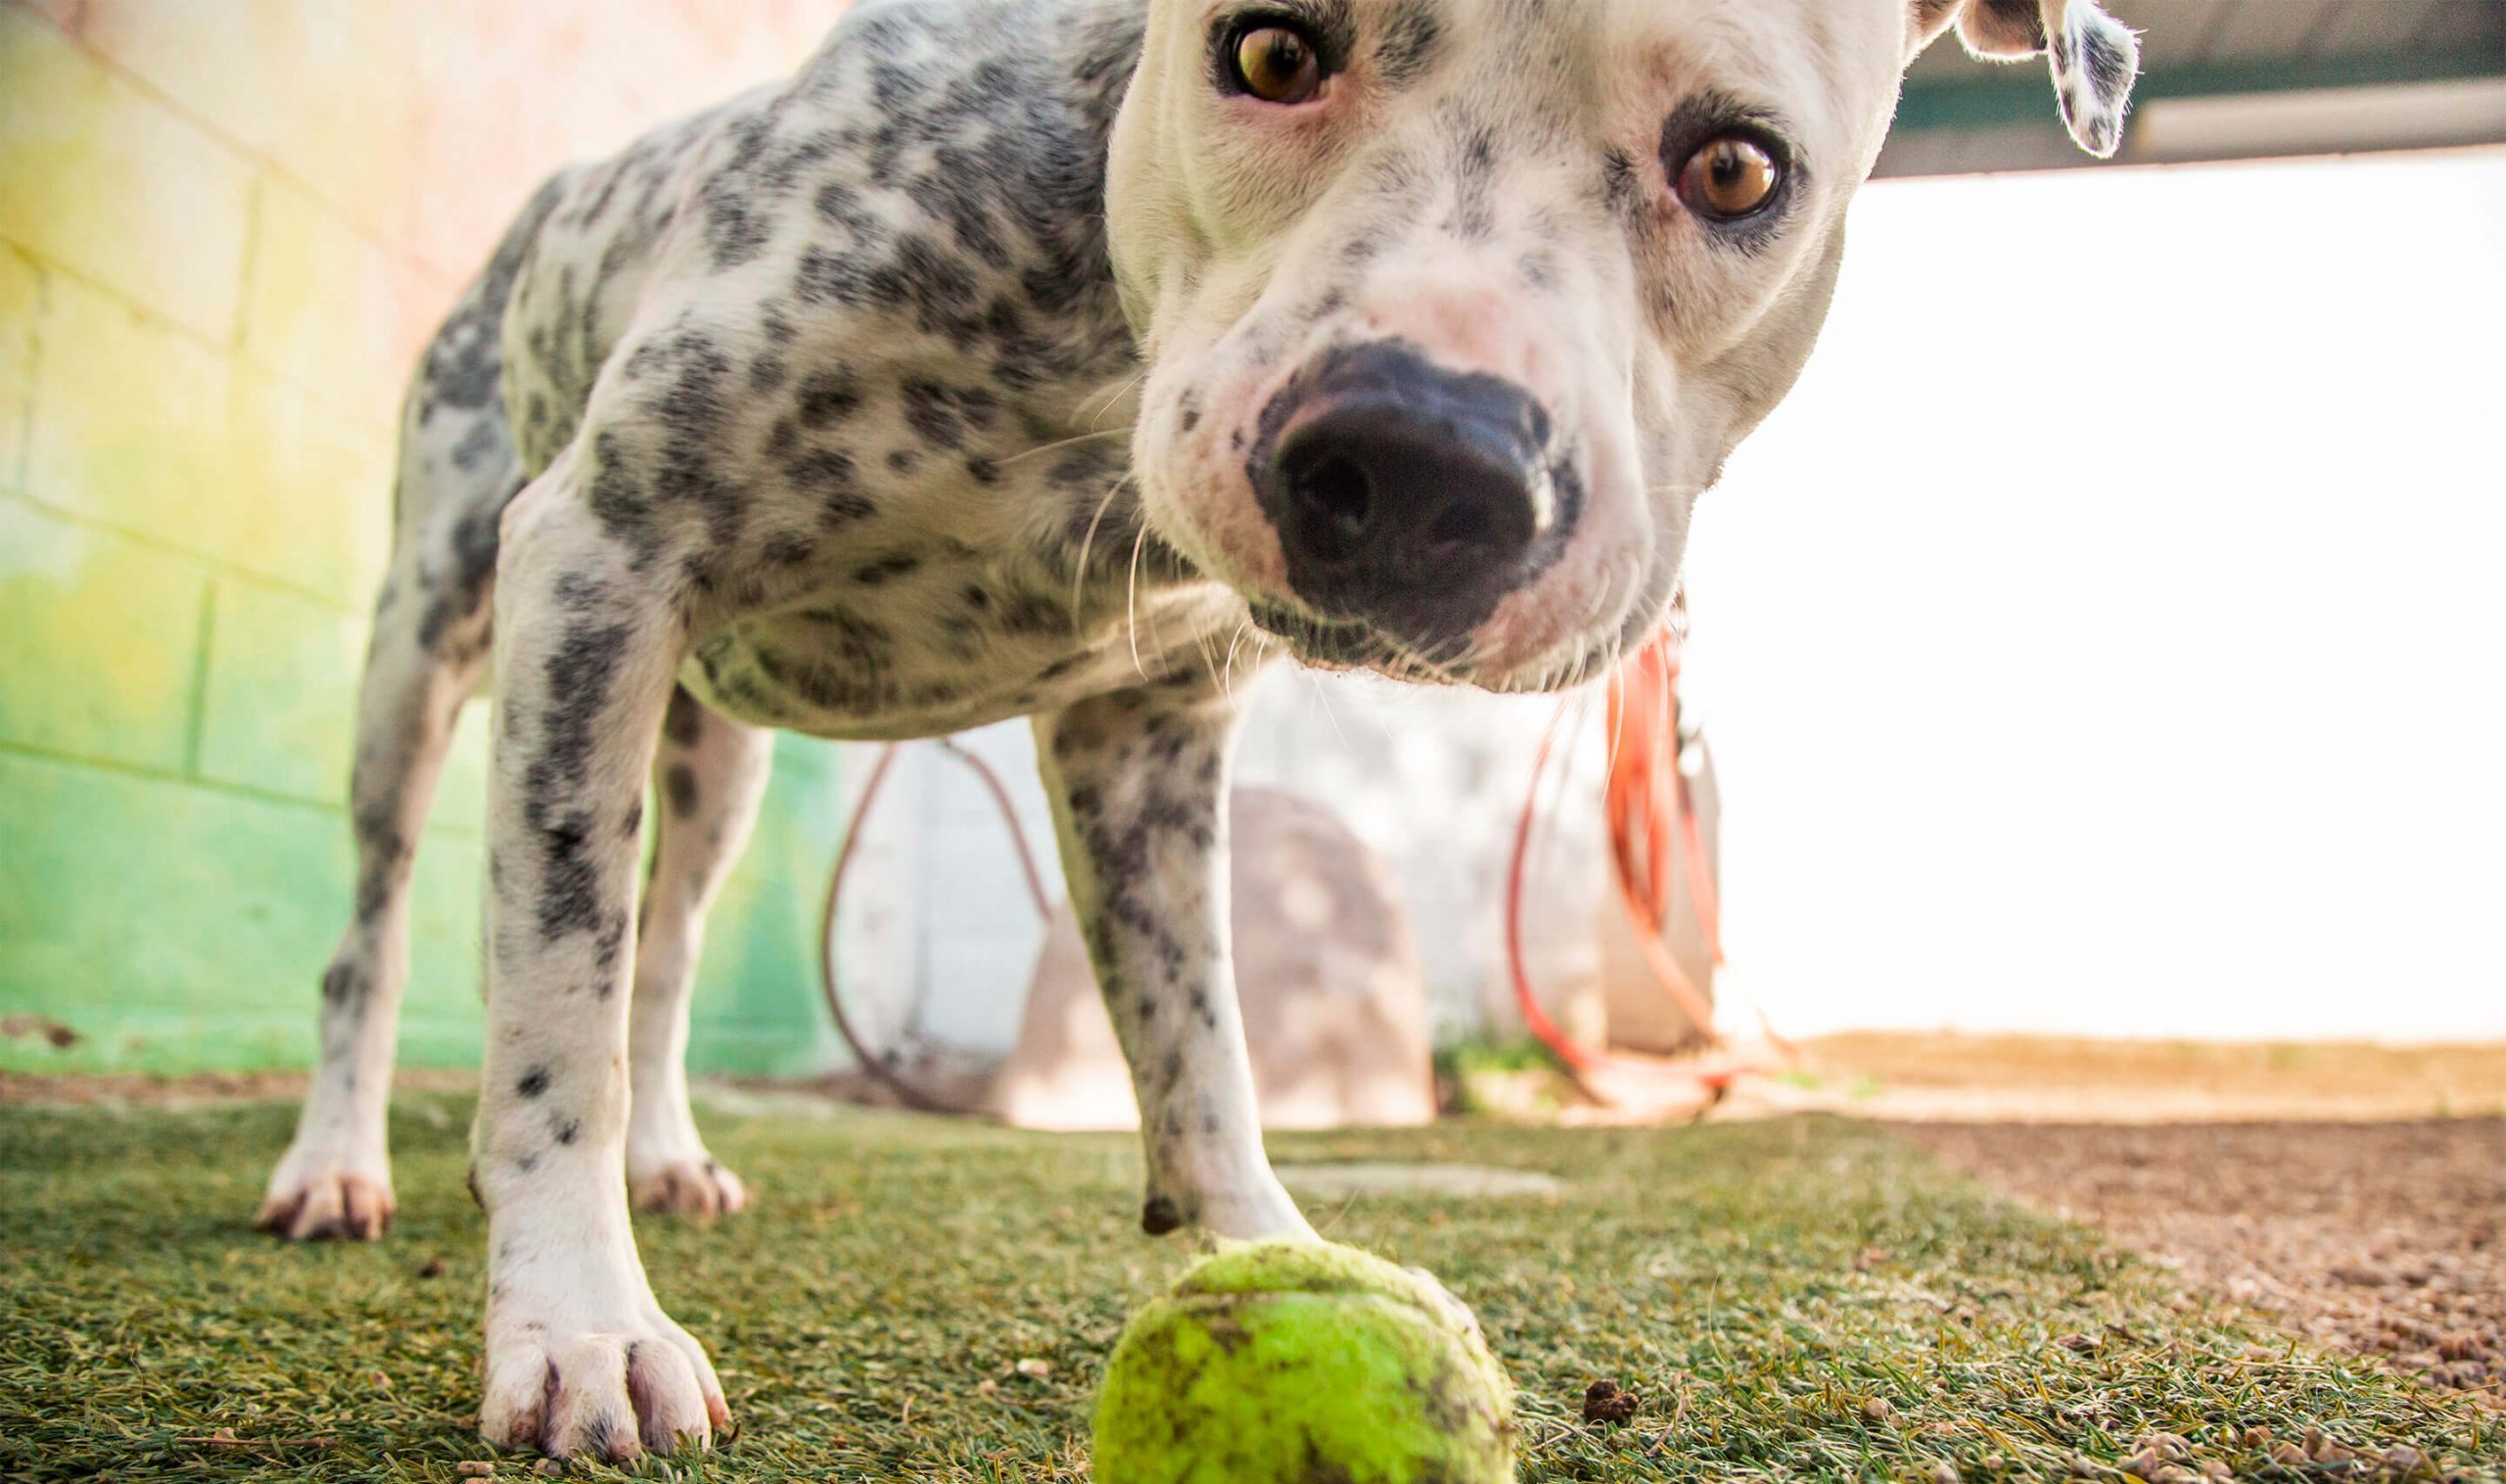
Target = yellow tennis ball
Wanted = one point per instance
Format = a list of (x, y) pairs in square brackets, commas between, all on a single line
[(1291, 1361)]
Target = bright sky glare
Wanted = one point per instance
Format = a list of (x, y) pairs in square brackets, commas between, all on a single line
[(2109, 633)]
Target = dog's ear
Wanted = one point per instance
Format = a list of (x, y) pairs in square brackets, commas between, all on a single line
[(2095, 56)]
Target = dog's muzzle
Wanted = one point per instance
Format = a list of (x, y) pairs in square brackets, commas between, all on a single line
[(1407, 496)]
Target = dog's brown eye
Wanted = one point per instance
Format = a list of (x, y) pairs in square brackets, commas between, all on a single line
[(1729, 178), (1277, 65)]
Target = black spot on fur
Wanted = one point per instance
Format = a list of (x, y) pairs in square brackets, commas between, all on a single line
[(577, 676), (827, 398), (341, 983), (2109, 68), (684, 721), (1411, 31), (533, 1083)]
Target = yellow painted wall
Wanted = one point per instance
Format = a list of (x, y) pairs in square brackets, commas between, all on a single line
[(226, 228)]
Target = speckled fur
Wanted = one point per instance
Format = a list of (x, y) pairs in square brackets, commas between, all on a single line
[(922, 391)]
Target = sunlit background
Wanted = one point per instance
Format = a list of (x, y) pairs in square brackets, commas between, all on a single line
[(2109, 633)]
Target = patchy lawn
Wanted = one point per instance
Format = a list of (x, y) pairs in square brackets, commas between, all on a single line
[(1802, 1299)]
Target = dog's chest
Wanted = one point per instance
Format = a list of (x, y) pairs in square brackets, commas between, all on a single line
[(939, 636)]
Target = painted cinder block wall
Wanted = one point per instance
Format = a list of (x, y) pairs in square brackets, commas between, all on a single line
[(226, 227)]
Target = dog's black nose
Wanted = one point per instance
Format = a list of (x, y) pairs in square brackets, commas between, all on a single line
[(1406, 495)]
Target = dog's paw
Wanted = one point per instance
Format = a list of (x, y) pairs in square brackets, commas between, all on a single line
[(314, 1199), (1245, 1210), (699, 1188), (612, 1393)]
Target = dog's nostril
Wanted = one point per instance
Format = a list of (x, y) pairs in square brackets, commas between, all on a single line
[(1462, 527), (1337, 490)]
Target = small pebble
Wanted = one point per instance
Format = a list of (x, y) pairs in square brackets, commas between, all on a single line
[(475, 1468), (1944, 1472), (1606, 1401), (1878, 1408)]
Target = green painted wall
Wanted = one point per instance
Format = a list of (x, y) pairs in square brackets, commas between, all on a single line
[(207, 308)]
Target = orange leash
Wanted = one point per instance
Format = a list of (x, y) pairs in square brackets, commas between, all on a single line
[(1649, 810)]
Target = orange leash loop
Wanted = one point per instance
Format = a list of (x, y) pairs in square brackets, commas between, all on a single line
[(1650, 812)]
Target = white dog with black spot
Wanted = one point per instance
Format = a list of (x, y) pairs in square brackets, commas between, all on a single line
[(1051, 358)]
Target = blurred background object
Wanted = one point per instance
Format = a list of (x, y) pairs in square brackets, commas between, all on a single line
[(2104, 639)]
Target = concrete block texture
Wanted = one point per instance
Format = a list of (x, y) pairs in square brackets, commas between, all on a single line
[(141, 427), (103, 646), (21, 297), (177, 927), (226, 232)]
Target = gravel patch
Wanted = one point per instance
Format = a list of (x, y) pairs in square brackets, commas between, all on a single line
[(2380, 1238)]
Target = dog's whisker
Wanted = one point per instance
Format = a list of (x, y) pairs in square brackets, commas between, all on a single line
[(1206, 641), (1228, 683), (1115, 397), (1130, 602), (1328, 715), (1079, 580), (1061, 442)]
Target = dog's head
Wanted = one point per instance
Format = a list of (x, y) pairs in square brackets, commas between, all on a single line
[(1453, 307)]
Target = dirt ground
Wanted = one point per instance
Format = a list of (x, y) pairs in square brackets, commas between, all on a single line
[(2354, 1191), (2377, 1237), (196, 1090)]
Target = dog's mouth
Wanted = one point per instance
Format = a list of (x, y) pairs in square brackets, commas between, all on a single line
[(1330, 643)]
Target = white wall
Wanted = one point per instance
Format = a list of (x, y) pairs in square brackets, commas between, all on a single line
[(2110, 634)]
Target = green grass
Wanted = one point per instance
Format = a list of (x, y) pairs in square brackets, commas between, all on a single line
[(1798, 1300)]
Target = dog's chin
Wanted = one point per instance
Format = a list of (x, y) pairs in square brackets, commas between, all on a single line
[(1354, 644), (1339, 643)]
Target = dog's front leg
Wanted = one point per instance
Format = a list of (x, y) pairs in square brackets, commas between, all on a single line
[(580, 1358), (1139, 783)]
